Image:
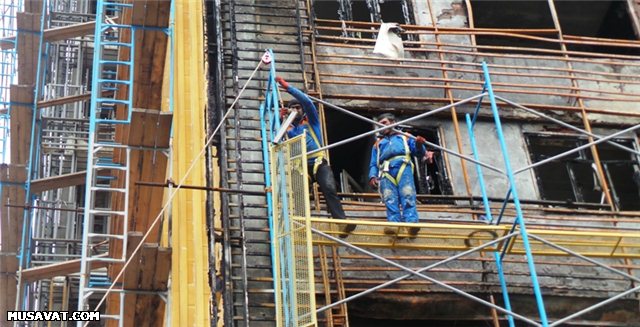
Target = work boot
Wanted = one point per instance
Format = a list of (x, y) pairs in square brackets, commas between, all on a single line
[(346, 230), (390, 231), (413, 231)]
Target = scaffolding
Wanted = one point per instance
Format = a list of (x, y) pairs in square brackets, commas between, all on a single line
[(291, 222), (8, 69), (76, 149), (111, 105)]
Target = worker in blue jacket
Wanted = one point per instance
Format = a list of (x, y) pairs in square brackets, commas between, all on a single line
[(391, 168), (307, 121)]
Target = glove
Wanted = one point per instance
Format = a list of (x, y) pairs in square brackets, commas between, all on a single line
[(420, 140), (373, 182), (282, 82), (283, 112)]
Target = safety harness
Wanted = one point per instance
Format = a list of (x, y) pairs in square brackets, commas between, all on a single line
[(384, 167), (319, 156)]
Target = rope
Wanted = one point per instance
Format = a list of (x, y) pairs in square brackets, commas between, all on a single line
[(175, 191)]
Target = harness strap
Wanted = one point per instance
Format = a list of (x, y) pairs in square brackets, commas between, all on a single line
[(406, 160), (318, 155)]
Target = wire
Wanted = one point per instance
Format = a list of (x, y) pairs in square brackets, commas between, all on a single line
[(175, 191)]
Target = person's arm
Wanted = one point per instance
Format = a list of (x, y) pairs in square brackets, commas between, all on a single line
[(373, 167), (417, 146), (307, 105)]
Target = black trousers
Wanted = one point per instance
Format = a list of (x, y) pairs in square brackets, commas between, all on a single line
[(324, 178)]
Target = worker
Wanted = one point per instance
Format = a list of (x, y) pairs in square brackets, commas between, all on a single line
[(307, 121), (391, 168)]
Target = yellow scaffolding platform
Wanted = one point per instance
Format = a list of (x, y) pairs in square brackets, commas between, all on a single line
[(461, 237)]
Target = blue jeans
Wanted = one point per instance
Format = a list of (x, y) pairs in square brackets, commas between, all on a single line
[(400, 199)]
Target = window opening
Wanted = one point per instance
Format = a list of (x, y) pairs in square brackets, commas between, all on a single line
[(431, 177), (350, 162), (508, 15), (329, 10), (601, 19), (574, 179), (597, 18), (397, 11)]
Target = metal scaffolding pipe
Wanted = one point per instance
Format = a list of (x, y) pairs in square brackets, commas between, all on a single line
[(423, 115), (423, 276)]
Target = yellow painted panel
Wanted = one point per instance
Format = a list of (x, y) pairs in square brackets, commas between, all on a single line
[(190, 292)]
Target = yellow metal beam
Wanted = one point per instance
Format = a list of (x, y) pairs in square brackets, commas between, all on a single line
[(604, 243), (190, 292)]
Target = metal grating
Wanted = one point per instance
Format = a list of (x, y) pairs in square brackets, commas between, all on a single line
[(292, 240)]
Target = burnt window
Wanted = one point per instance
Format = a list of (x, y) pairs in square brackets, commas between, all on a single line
[(573, 178), (597, 18), (377, 11), (350, 161), (431, 177)]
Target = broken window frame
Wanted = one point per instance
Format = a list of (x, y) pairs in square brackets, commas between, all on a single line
[(552, 7), (583, 157), (345, 13)]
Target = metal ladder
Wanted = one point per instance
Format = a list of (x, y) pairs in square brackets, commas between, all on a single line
[(111, 105)]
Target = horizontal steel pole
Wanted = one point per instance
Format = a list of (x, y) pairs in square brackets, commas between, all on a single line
[(569, 126), (578, 255), (419, 274), (391, 126), (574, 150), (595, 306)]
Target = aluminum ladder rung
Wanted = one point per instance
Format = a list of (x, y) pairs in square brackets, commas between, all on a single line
[(103, 290), (116, 62), (118, 44), (114, 81), (118, 4), (106, 212), (108, 189), (109, 25), (107, 100), (113, 121), (110, 145), (103, 166), (116, 236)]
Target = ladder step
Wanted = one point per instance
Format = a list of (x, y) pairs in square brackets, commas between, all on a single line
[(116, 236), (103, 290), (107, 212), (110, 145), (107, 100), (113, 121), (114, 81), (109, 25), (118, 44), (108, 189), (114, 317), (113, 166), (116, 62), (118, 4)]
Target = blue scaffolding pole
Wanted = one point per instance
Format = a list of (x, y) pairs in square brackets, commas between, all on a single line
[(512, 193), (269, 125), (24, 255), (8, 69)]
